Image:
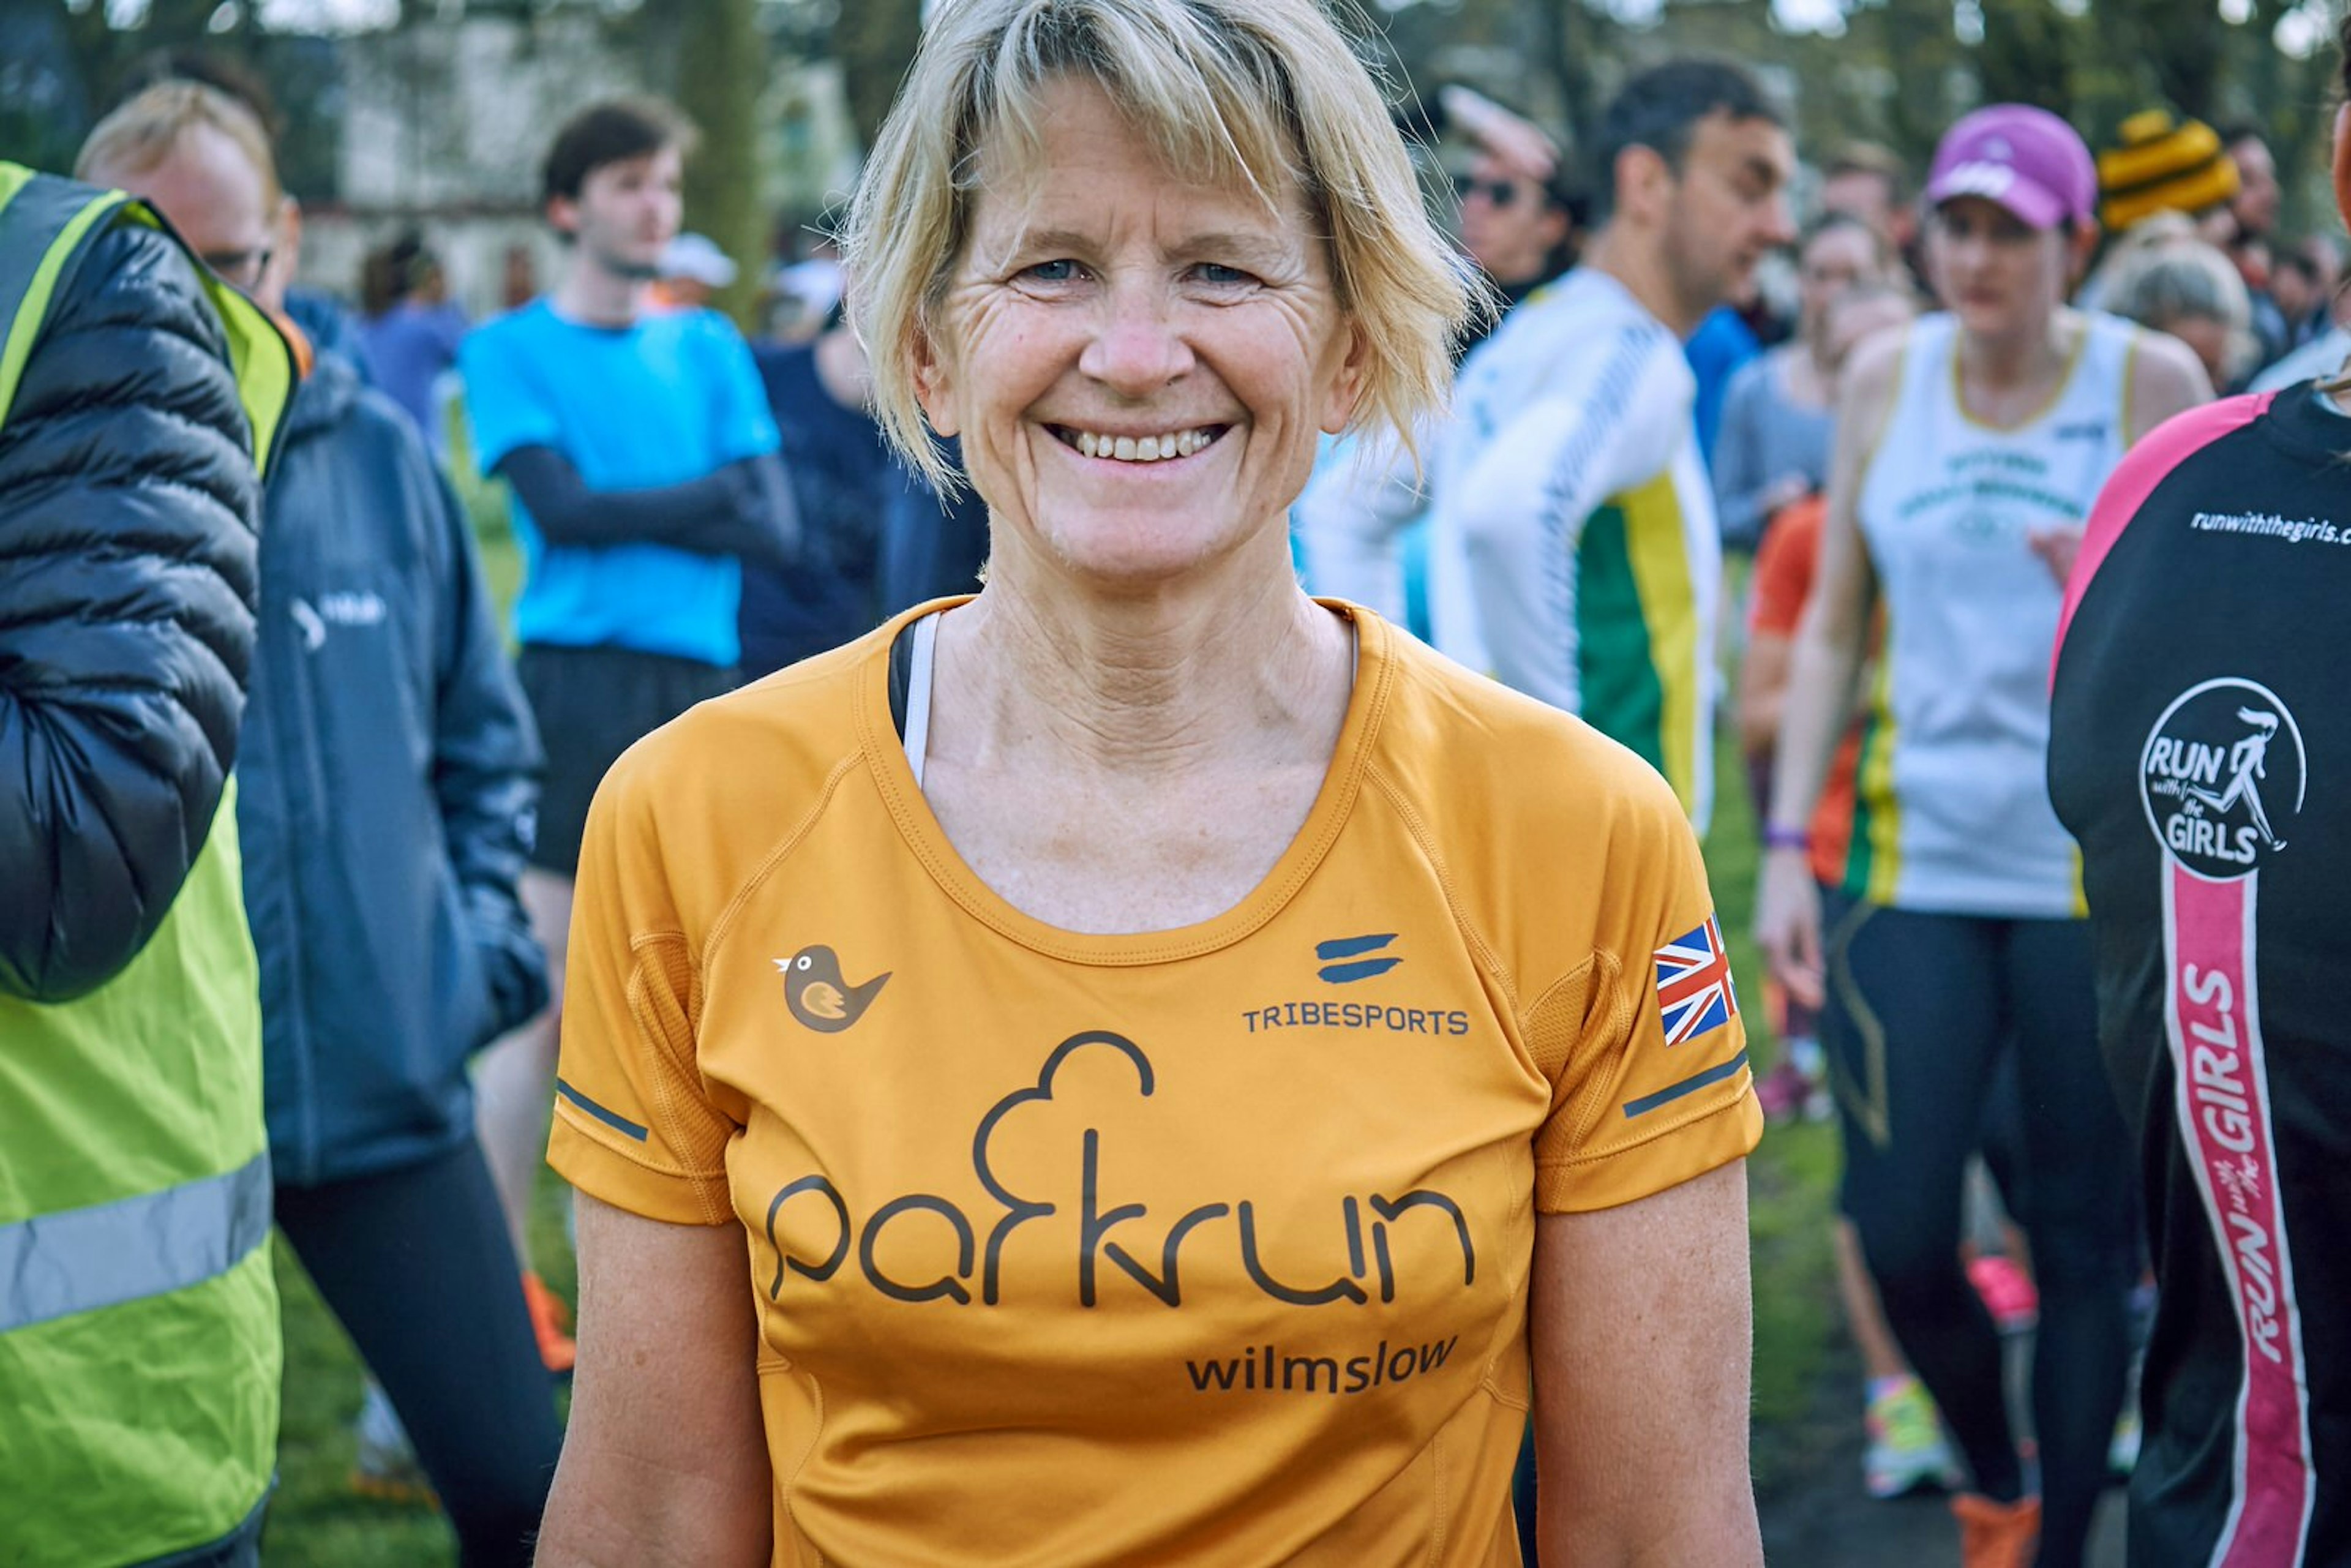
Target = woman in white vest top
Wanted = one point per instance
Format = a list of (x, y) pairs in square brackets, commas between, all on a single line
[(1969, 447)]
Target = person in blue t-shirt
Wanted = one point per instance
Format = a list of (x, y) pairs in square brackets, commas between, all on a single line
[(644, 470)]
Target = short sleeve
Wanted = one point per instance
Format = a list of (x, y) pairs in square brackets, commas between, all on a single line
[(746, 426), (1784, 569), (503, 399), (1644, 1044), (633, 1122)]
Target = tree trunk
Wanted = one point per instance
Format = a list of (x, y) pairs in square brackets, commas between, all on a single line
[(874, 40), (722, 64)]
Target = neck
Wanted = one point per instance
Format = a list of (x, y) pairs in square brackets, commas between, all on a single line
[(1237, 665), (593, 293), (2017, 359), (1638, 262)]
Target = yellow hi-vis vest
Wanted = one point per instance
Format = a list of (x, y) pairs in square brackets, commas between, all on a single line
[(138, 1334)]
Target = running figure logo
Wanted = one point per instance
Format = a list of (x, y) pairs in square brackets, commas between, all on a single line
[(2245, 770), (2222, 768), (819, 996)]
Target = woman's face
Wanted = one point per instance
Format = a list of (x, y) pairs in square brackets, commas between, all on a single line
[(1106, 310), (1835, 260), (1998, 275)]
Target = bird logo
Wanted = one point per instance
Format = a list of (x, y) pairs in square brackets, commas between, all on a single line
[(816, 994)]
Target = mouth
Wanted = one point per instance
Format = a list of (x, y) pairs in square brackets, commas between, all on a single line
[(1169, 446)]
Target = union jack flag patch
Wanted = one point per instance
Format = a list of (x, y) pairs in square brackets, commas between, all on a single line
[(1695, 995)]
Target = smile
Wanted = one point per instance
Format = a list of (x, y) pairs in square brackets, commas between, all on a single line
[(1138, 449)]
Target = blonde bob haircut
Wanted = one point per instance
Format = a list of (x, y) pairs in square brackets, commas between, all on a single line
[(1261, 96)]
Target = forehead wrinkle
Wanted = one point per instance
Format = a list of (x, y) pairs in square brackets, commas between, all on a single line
[(1034, 219)]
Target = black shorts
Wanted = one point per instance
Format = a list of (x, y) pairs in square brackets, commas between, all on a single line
[(594, 704)]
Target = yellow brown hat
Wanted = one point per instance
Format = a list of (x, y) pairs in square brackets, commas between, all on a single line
[(2162, 167)]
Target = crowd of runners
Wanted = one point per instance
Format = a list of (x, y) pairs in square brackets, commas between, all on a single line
[(1199, 1072)]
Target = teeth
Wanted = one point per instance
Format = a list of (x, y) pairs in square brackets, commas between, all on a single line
[(1143, 449)]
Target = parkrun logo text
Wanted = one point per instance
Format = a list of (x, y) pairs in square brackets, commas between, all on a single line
[(813, 1232), (1254, 1370)]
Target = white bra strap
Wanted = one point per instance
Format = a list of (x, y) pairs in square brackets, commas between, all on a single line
[(918, 695)]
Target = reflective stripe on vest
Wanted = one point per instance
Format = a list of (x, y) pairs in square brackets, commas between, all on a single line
[(55, 1265), (48, 219)]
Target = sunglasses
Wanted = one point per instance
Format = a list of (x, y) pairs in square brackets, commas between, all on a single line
[(1500, 193)]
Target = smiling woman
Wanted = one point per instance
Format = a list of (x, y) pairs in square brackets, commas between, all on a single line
[(978, 985)]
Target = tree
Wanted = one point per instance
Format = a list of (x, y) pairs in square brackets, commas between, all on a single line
[(874, 40), (722, 63), (2027, 55)]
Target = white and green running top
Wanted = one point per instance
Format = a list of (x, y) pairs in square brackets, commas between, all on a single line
[(1575, 555), (1953, 812)]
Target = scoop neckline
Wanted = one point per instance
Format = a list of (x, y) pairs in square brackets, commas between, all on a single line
[(885, 760)]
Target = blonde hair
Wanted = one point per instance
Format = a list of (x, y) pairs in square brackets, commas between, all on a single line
[(2177, 277), (1263, 96), (145, 128)]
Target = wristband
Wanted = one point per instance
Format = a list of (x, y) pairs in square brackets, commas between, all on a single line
[(1777, 837)]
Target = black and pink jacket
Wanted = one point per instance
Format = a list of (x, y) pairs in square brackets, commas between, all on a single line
[(2201, 753)]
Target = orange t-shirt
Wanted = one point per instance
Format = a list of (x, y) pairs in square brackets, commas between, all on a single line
[(1784, 569), (1204, 1244)]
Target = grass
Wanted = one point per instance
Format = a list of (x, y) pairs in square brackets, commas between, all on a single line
[(318, 1520)]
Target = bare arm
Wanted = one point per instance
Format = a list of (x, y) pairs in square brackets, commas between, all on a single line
[(2165, 379), (1643, 1339), (665, 1464), (1762, 692), (1826, 659)]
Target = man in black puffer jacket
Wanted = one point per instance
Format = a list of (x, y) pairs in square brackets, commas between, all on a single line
[(387, 783), (139, 1348)]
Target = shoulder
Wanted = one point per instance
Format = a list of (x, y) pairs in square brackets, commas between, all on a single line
[(1486, 765), (386, 426), (2172, 443), (716, 795), (517, 331), (1752, 379), (1553, 843), (1876, 362), (172, 441), (706, 330), (132, 276), (2164, 374)]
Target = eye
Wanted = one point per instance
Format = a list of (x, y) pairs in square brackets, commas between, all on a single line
[(806, 962), (1060, 270), (1217, 273)]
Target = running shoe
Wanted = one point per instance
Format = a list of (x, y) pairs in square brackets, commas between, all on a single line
[(549, 1320), (2007, 1292), (1997, 1534), (386, 1466), (1784, 1093), (1906, 1450)]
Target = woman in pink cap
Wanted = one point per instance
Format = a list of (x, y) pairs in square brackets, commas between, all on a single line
[(1970, 446)]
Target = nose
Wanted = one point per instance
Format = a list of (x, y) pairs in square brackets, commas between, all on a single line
[(1137, 347), (1779, 223)]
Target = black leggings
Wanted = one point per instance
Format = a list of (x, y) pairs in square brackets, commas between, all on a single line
[(1920, 1008), (416, 1264)]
